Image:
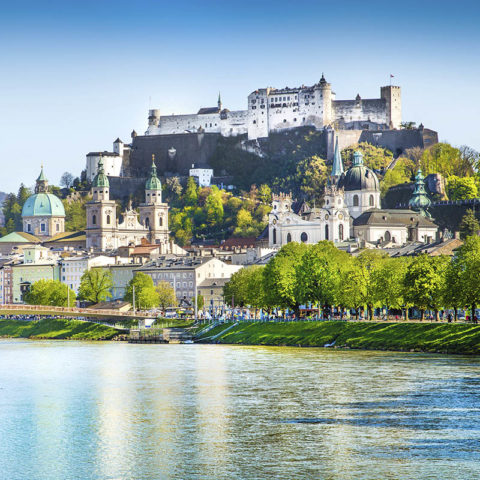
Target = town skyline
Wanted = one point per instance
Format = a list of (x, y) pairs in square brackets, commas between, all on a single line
[(79, 76)]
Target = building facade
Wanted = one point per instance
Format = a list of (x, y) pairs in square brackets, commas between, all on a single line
[(112, 161), (274, 110)]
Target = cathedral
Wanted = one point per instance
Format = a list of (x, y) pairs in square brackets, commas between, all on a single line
[(105, 232), (351, 211)]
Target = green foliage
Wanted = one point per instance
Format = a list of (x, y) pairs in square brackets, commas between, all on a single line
[(444, 159), (145, 294), (376, 158), (200, 302), (393, 177), (95, 285), (50, 292), (166, 295), (191, 194), (75, 218), (311, 176), (469, 224), (463, 188), (246, 287)]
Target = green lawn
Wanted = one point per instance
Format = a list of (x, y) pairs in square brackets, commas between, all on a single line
[(57, 329), (426, 337)]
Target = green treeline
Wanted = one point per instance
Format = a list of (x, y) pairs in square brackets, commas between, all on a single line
[(419, 337), (326, 277)]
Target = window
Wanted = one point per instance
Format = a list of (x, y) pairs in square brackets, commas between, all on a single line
[(29, 228), (303, 237), (289, 237), (42, 227), (355, 200), (274, 239), (108, 219), (371, 201), (340, 231), (160, 220), (94, 219), (57, 227), (326, 232), (147, 223), (388, 236)]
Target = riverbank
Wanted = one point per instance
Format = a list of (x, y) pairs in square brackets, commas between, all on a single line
[(405, 337), (59, 329)]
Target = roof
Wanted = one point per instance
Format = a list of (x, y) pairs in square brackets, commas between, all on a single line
[(118, 140), (41, 177), (206, 110), (174, 262), (68, 237), (442, 247), (392, 217), (242, 242), (19, 237), (153, 182), (102, 154), (359, 177), (214, 282), (114, 305), (100, 180), (43, 204)]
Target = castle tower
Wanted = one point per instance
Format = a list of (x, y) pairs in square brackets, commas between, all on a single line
[(323, 96), (101, 214), (154, 213), (393, 104)]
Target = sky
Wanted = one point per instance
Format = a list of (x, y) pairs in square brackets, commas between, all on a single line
[(75, 75)]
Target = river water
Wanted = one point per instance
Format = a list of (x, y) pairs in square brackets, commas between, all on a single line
[(79, 410)]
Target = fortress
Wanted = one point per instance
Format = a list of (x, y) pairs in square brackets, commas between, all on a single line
[(275, 110)]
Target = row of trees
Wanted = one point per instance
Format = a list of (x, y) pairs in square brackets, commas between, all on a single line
[(324, 276), (96, 286)]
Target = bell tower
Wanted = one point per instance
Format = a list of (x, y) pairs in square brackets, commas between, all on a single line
[(154, 213)]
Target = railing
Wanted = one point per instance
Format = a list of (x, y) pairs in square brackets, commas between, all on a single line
[(73, 310)]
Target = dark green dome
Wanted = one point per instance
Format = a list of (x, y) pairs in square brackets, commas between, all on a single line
[(358, 176), (101, 180), (153, 182), (419, 201)]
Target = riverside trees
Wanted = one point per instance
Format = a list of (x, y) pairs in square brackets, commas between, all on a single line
[(321, 275)]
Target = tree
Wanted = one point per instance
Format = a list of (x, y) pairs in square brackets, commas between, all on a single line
[(200, 302), (174, 188), (310, 176), (281, 277), (408, 125), (425, 282), (319, 274), (469, 225), (463, 188), (444, 159), (166, 295), (466, 267), (191, 192), (214, 207), (265, 194), (50, 292), (95, 285), (244, 226), (393, 177), (66, 180), (145, 294), (75, 218), (374, 157)]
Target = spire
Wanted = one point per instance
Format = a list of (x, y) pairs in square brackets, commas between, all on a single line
[(337, 168), (219, 102), (42, 182), (420, 201), (357, 158), (153, 182), (100, 180)]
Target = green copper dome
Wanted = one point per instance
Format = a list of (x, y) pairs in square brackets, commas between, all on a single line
[(359, 176), (43, 205), (153, 182), (100, 180)]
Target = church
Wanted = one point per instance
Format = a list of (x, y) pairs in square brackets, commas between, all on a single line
[(351, 211), (105, 232)]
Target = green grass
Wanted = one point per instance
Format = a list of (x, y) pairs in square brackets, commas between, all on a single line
[(423, 337), (57, 329)]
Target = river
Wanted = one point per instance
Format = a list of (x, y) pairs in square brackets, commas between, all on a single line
[(81, 410)]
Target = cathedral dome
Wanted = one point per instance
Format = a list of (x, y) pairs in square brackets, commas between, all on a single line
[(43, 205), (358, 176)]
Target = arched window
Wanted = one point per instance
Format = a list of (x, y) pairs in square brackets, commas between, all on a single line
[(29, 227), (108, 219), (94, 219), (147, 223), (274, 239), (160, 220), (289, 237), (326, 232), (57, 227), (371, 201), (340, 231), (303, 237), (388, 236), (355, 200)]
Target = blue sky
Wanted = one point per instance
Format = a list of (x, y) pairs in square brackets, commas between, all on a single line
[(77, 74)]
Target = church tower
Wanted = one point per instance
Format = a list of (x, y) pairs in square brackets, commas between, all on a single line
[(101, 214), (154, 213)]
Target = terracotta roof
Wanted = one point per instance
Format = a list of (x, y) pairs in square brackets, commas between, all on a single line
[(233, 242)]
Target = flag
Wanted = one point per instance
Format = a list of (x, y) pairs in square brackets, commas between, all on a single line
[(391, 76)]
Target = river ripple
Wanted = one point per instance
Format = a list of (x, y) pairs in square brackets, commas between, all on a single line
[(78, 410)]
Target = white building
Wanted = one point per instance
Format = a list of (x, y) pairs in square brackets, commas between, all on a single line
[(202, 176), (112, 161), (272, 110), (72, 268)]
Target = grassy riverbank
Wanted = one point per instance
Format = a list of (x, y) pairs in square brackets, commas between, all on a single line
[(419, 337), (57, 329)]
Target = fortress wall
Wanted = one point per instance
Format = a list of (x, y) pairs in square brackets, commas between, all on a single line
[(373, 110)]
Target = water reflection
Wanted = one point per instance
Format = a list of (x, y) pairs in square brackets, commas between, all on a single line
[(106, 411)]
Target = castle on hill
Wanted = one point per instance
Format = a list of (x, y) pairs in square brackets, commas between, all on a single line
[(275, 110)]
